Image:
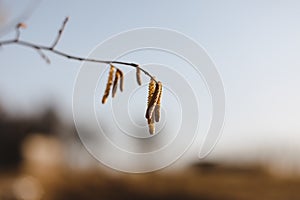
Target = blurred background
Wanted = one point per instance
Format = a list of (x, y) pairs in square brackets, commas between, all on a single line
[(255, 46)]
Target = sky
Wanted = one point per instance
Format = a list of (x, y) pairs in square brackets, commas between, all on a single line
[(255, 46)]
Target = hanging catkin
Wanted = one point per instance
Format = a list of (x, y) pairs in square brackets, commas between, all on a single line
[(121, 79), (108, 84), (151, 90), (153, 101), (138, 75), (157, 107), (115, 84)]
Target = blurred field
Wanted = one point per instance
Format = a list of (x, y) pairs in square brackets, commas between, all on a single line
[(201, 182), (34, 165)]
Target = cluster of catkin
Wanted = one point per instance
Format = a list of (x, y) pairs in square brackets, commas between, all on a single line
[(153, 108), (154, 93), (115, 75)]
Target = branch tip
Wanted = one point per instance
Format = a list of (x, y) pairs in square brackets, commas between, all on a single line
[(60, 33), (21, 25)]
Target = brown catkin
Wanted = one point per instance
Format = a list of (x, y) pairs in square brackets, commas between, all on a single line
[(151, 89), (115, 84), (108, 84), (138, 75), (153, 101), (157, 107), (121, 79)]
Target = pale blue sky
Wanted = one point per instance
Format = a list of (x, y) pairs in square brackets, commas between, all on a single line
[(255, 45)]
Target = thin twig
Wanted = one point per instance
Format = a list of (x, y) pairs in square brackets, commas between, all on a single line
[(18, 27), (18, 33), (51, 49), (60, 32), (44, 56)]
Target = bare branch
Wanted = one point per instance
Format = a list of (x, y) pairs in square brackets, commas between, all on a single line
[(155, 87), (51, 49), (60, 32)]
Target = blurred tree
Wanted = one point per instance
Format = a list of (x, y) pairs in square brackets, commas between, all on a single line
[(13, 131)]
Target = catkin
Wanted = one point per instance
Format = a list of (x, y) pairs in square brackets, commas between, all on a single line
[(153, 101), (115, 84), (121, 79), (108, 84), (138, 75), (151, 90), (157, 107)]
